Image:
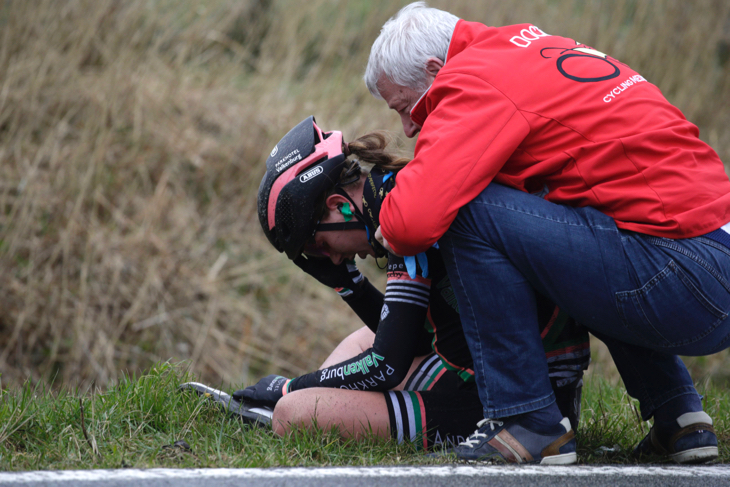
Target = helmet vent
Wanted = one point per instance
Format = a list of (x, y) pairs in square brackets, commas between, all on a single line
[(285, 211)]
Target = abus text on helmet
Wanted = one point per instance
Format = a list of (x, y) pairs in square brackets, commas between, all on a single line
[(311, 174)]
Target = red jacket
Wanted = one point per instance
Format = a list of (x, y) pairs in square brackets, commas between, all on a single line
[(540, 112)]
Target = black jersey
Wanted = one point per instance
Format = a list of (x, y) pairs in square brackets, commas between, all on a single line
[(420, 308)]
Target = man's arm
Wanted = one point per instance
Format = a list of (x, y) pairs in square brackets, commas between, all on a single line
[(472, 129)]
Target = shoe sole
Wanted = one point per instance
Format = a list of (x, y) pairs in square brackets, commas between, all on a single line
[(695, 455), (564, 459)]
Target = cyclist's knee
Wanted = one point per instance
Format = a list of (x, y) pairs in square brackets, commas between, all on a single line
[(285, 414), (363, 337)]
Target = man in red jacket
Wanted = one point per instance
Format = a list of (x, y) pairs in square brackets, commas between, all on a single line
[(528, 138)]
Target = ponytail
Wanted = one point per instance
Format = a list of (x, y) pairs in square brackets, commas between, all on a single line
[(370, 149)]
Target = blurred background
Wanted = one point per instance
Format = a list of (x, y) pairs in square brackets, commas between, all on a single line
[(133, 135)]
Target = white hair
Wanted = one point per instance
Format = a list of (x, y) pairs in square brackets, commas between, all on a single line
[(405, 43)]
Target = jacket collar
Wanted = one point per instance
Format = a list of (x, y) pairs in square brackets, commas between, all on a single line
[(464, 34), (419, 112)]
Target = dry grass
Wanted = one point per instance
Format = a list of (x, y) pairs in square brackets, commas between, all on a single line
[(132, 138)]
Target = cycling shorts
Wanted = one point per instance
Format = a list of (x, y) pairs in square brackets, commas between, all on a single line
[(437, 407)]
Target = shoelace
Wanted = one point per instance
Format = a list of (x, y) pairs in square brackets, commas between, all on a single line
[(473, 440)]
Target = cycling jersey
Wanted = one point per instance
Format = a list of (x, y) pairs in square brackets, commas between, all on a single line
[(424, 307), (542, 113)]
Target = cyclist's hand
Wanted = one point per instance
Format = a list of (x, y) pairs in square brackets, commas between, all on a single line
[(344, 275), (380, 238), (266, 392)]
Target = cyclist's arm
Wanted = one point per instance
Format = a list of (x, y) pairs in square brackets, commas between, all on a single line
[(386, 363), (366, 304)]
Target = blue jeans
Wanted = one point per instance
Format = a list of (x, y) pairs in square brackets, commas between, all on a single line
[(647, 298)]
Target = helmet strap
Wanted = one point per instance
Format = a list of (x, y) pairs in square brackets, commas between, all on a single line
[(336, 227), (348, 210), (369, 228), (348, 224)]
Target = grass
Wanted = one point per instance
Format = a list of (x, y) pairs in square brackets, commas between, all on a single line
[(137, 421)]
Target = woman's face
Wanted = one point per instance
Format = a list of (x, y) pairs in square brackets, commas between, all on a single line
[(341, 245)]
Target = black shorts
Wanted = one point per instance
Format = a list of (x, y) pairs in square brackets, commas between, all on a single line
[(436, 407)]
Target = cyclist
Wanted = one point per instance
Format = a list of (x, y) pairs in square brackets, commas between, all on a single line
[(322, 209)]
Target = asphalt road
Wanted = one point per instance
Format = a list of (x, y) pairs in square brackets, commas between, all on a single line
[(456, 476)]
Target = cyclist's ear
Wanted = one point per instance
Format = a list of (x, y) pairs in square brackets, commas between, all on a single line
[(334, 201)]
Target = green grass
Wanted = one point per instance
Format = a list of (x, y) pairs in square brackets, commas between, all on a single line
[(134, 422)]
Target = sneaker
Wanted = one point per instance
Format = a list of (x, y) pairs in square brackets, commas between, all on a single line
[(508, 441), (247, 412), (694, 442)]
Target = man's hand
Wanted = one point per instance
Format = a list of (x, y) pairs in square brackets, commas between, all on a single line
[(266, 392), (344, 275), (379, 237)]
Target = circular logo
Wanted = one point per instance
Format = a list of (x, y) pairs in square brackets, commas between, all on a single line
[(584, 64)]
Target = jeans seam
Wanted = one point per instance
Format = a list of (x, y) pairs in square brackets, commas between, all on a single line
[(594, 227), (632, 296), (720, 346), (637, 303), (478, 344), (671, 244), (701, 297), (711, 243)]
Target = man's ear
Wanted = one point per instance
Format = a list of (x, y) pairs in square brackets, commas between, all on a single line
[(333, 201), (433, 66)]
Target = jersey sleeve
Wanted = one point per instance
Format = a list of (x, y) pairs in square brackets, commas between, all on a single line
[(471, 131), (366, 304), (386, 363)]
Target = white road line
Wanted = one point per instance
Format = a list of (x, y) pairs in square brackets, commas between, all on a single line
[(381, 472)]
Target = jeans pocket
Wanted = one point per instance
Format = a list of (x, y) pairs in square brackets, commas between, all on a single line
[(669, 310)]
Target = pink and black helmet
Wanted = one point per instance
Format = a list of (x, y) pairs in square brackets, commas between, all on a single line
[(301, 168)]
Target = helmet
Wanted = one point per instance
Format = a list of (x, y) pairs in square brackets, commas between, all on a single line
[(300, 169)]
